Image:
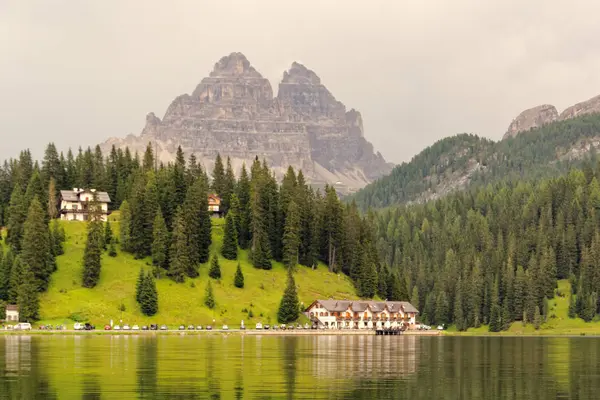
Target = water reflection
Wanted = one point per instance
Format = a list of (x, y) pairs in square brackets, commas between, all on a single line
[(313, 367)]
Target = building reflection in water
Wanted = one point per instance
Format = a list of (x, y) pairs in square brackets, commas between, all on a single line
[(17, 355), (347, 357)]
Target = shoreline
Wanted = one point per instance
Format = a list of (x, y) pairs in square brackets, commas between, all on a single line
[(249, 332)]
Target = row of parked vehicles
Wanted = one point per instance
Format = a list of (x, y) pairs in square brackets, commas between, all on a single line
[(284, 327), (156, 327)]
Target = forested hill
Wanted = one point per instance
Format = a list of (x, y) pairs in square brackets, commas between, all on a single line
[(464, 161), (494, 255)]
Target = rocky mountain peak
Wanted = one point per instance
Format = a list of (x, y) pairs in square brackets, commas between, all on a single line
[(591, 106), (299, 74), (532, 118), (235, 64), (233, 112)]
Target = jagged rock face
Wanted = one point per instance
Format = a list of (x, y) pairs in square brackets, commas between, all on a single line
[(233, 112), (591, 106), (532, 118)]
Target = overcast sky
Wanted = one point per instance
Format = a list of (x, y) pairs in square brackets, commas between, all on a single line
[(77, 72)]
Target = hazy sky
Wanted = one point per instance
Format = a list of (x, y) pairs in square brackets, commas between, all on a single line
[(77, 72)]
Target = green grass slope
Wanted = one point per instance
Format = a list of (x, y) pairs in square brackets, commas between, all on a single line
[(67, 301), (558, 323)]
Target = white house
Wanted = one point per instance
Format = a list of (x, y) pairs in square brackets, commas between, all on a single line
[(359, 314), (75, 204), (12, 313)]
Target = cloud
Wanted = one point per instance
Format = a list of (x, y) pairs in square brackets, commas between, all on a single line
[(78, 72)]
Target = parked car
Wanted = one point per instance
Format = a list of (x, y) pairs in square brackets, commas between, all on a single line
[(78, 326), (22, 326), (107, 327), (267, 326), (306, 326), (298, 326), (135, 328), (225, 328), (126, 327), (199, 328), (314, 327), (259, 325), (144, 327), (440, 327), (282, 327), (117, 328), (208, 327), (191, 327), (89, 327), (153, 327), (163, 328), (182, 327)]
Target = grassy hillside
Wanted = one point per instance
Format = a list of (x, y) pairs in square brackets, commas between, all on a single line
[(66, 300), (559, 322)]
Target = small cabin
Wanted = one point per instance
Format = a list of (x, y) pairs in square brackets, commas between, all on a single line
[(75, 204), (12, 313), (214, 205)]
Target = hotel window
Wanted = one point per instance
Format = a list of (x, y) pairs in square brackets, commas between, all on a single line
[(74, 206)]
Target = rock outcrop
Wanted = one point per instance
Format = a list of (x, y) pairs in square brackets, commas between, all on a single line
[(233, 112), (532, 118), (591, 106)]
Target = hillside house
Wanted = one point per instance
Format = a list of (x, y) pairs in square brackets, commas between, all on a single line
[(12, 313), (359, 314), (214, 205), (75, 204)]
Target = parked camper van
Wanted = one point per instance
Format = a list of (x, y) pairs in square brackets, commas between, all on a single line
[(22, 326)]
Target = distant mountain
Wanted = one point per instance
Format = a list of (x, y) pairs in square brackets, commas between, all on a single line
[(233, 112), (465, 161)]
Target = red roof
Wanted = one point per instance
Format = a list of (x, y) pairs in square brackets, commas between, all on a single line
[(12, 307)]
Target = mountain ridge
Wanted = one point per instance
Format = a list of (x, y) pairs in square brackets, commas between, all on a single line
[(233, 112)]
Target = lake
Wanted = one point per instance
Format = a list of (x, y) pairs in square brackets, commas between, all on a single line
[(303, 367)]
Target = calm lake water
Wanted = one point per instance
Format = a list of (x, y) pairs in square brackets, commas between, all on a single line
[(307, 367)]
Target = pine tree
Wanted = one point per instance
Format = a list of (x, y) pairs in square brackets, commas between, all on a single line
[(57, 238), (229, 248), (179, 263), (112, 250), (36, 251), (244, 215), (160, 241), (289, 306), (17, 213), (4, 276), (36, 189), (197, 224), (261, 248), (148, 298), (238, 280), (228, 187), (537, 318), (139, 286), (108, 235), (291, 236), (572, 307), (92, 255), (209, 297), (52, 199), (496, 318), (28, 298), (125, 227), (215, 269), (16, 278), (218, 177)]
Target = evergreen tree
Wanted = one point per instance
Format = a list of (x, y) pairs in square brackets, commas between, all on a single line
[(209, 297), (291, 236), (496, 318), (160, 241), (36, 252), (108, 235), (228, 187), (179, 263), (218, 177), (537, 318), (28, 298), (289, 306), (57, 238), (572, 307), (139, 286), (215, 269), (125, 227), (197, 224), (92, 254), (17, 213), (16, 278), (52, 199), (244, 215), (112, 250), (148, 298), (238, 280), (36, 189), (5, 269), (229, 248)]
